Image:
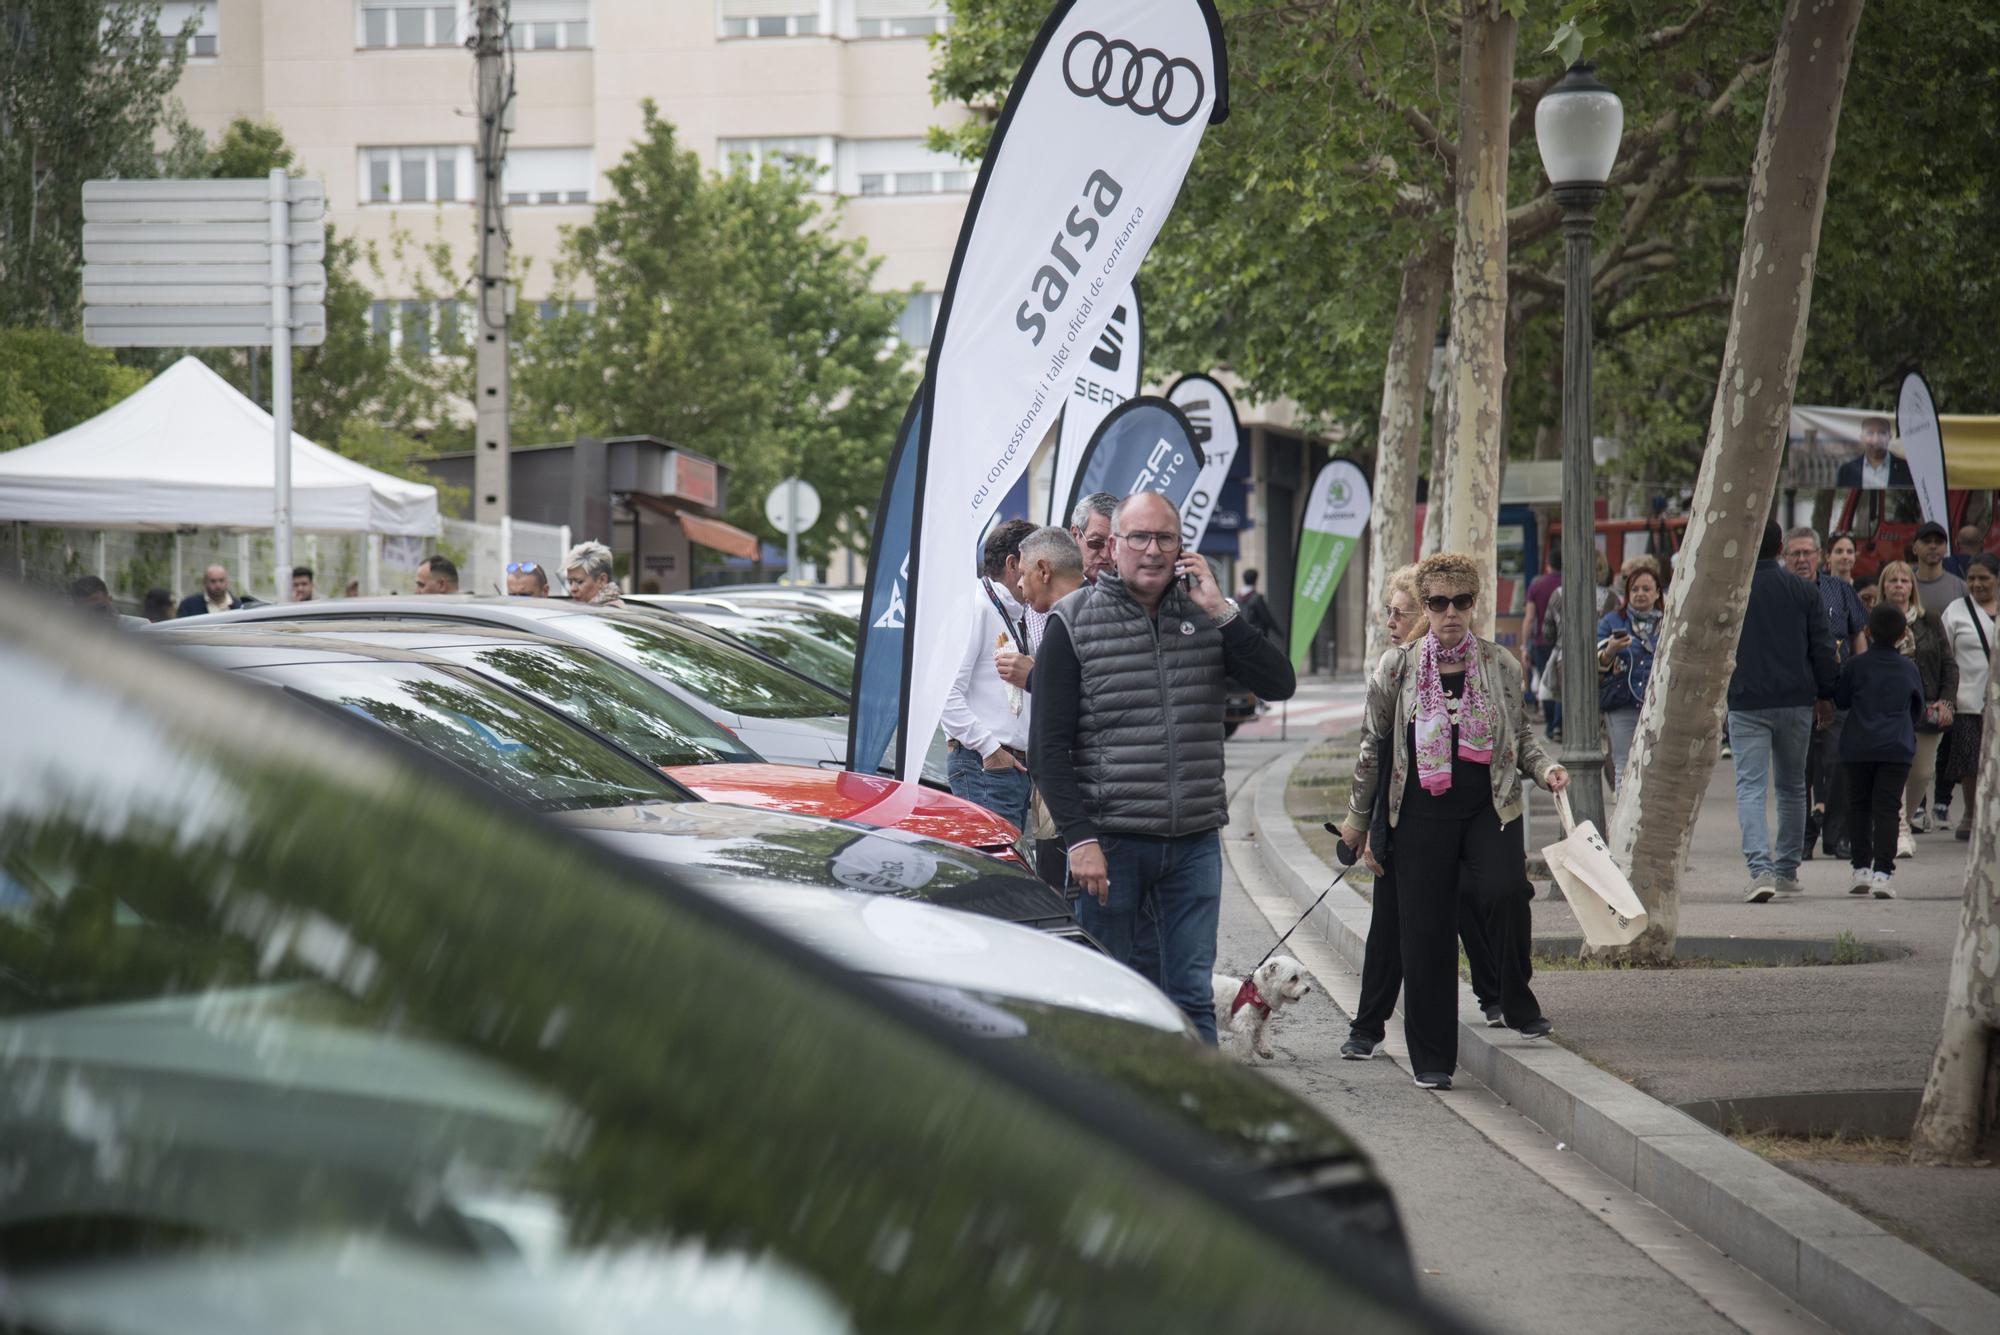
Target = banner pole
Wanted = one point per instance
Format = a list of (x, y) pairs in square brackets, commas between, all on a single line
[(281, 379)]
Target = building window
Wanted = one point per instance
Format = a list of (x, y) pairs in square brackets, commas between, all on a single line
[(436, 175), (767, 18), (899, 18), (811, 155), (899, 167), (426, 328), (384, 25), (547, 176), (205, 41), (549, 25), (549, 310), (914, 325)]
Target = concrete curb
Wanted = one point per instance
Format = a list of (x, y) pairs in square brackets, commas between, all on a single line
[(1845, 1270)]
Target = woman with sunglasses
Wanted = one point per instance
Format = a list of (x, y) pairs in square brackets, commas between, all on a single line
[(1452, 702)]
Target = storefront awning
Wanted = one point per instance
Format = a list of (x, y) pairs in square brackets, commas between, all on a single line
[(713, 533)]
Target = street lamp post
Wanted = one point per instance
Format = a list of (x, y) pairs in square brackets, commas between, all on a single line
[(1578, 124)]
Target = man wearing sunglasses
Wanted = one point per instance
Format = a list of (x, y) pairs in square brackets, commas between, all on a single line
[(525, 579), (1090, 525), (1126, 745)]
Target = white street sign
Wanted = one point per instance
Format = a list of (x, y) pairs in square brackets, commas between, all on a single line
[(257, 274), (191, 294), (194, 252), (194, 210), (197, 188), (779, 506)]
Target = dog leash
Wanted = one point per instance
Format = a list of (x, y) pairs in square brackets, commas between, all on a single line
[(1347, 857)]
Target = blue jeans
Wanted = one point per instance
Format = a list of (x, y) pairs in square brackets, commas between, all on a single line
[(1160, 913), (1770, 747), (1004, 792)]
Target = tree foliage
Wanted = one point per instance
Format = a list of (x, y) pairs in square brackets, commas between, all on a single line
[(50, 381), (84, 91), (727, 319)]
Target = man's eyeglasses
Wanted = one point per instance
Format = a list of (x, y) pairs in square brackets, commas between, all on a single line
[(1099, 543), (523, 568), (1165, 542), (1437, 602)]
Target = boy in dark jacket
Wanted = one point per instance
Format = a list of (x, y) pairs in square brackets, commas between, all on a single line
[(1885, 699)]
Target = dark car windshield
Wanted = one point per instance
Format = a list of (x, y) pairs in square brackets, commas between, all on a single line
[(633, 712), (524, 751), (722, 675), (797, 650), (828, 626)]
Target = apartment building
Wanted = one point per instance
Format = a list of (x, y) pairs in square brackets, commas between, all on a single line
[(377, 97)]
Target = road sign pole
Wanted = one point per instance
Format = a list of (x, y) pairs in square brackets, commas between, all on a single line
[(792, 532), (281, 380)]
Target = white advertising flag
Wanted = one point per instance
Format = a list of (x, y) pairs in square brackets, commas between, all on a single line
[(1090, 151), (1923, 447), (1108, 377), (1212, 414)]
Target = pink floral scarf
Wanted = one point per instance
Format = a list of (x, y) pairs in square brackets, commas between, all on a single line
[(1476, 723)]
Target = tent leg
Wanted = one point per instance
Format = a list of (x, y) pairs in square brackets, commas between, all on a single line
[(21, 549), (174, 583), (243, 562), (374, 565), (103, 568)]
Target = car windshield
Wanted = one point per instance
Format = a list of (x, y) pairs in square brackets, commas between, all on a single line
[(524, 751), (828, 626), (795, 647), (633, 712), (718, 673)]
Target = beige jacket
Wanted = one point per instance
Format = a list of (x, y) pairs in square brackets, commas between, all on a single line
[(1392, 704)]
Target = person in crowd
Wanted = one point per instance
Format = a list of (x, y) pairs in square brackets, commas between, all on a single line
[(1257, 609), (1783, 685), (353, 589), (1884, 697), (1541, 642), (1848, 620), (437, 574), (1969, 626), (1051, 569), (214, 596), (1869, 592), (1605, 601), (1937, 590), (986, 714), (1874, 469), (159, 605), (302, 584), (1925, 645), (1971, 542), (589, 570), (1382, 960), (91, 594), (527, 579), (1451, 706), (1627, 641), (1090, 525), (1129, 696), (1840, 557)]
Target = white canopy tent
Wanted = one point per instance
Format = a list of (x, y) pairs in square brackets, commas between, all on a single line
[(188, 450)]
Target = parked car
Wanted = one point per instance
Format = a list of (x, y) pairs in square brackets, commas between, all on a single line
[(844, 598), (540, 757), (645, 719), (302, 1031), (834, 627), (829, 663)]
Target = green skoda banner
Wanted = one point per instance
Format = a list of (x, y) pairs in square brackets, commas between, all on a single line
[(1334, 518)]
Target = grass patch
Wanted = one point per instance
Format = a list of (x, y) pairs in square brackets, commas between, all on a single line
[(1846, 950), (1823, 1149)]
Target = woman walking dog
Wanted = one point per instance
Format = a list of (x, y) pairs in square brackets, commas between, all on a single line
[(1452, 702)]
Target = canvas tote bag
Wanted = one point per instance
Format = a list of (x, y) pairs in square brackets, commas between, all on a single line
[(1598, 893)]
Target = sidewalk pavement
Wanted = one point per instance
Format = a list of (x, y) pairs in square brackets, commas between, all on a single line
[(1683, 1034)]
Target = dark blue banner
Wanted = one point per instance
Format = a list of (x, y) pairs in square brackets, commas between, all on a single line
[(878, 664), (1145, 444)]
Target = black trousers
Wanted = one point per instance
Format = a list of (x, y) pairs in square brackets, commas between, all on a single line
[(1431, 857), (1828, 779), (1943, 786), (1876, 799), (1382, 963)]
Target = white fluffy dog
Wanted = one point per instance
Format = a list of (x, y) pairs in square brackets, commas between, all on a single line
[(1248, 1005)]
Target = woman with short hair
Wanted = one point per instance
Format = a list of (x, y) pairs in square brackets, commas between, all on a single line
[(588, 569), (1451, 703), (1627, 639)]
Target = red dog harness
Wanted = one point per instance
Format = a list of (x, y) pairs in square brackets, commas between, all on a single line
[(1248, 995)]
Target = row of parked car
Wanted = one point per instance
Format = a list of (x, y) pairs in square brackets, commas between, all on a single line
[(510, 964)]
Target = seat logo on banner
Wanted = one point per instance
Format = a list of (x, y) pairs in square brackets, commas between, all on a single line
[(1119, 73)]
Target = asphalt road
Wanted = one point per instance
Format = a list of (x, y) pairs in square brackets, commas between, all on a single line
[(1511, 1231)]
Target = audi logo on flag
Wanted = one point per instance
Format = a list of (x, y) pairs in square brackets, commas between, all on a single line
[(1119, 74)]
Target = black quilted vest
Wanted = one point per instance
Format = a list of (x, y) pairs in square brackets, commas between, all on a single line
[(1149, 725)]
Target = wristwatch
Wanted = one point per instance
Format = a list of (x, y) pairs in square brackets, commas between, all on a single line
[(1229, 616)]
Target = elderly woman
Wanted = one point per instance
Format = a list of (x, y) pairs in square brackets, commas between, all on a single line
[(588, 570), (1627, 639), (1461, 742), (1382, 962), (1924, 644)]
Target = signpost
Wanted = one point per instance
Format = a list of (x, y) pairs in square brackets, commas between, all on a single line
[(213, 264), (792, 507)]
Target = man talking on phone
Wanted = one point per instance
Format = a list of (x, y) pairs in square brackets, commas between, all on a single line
[(1126, 745)]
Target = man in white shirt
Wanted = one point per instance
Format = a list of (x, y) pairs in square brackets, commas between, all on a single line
[(986, 713)]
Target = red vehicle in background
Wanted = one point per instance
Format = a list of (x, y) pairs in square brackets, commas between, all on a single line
[(1883, 522)]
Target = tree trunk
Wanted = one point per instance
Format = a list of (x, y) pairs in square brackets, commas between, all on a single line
[(1399, 437), (1674, 751), (1434, 507), (1961, 1105), (1479, 293)]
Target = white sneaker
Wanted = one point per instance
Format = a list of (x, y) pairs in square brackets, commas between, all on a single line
[(1906, 847), (1882, 888), (1864, 881)]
